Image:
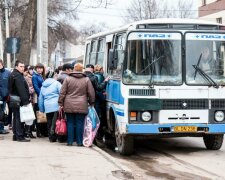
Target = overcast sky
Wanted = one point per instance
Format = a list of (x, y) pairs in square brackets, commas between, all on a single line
[(112, 16)]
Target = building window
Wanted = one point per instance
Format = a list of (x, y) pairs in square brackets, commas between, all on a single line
[(219, 20), (203, 2)]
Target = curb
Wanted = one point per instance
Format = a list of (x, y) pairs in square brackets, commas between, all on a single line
[(111, 159)]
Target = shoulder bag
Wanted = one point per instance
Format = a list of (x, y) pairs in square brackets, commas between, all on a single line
[(14, 101)]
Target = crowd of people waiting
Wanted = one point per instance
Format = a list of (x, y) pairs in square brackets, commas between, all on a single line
[(70, 88)]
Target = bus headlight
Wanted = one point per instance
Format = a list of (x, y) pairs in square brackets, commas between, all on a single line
[(146, 116), (219, 116)]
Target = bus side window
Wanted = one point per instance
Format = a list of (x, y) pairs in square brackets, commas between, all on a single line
[(87, 55), (100, 52), (93, 53), (119, 46)]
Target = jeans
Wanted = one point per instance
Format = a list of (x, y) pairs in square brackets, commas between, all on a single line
[(77, 120), (1, 123), (1, 126)]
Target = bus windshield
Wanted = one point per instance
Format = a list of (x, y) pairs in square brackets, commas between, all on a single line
[(205, 59), (153, 58)]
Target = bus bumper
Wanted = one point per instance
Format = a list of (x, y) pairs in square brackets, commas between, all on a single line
[(168, 128)]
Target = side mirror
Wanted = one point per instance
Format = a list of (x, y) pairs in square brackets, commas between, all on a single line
[(113, 59)]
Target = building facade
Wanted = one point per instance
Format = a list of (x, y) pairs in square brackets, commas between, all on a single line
[(212, 10), (66, 52)]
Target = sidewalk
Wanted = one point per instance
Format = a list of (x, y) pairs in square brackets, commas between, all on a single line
[(42, 160)]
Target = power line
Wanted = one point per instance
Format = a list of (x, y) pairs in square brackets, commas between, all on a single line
[(124, 9), (113, 15)]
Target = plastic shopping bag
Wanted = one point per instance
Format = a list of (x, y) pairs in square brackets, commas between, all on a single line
[(91, 126), (27, 113)]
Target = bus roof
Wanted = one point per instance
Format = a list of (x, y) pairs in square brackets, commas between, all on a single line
[(156, 21)]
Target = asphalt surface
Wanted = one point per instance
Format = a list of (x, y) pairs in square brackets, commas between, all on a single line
[(168, 158), (42, 160), (174, 158)]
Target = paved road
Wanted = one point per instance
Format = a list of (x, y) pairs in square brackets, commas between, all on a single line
[(42, 160), (174, 158)]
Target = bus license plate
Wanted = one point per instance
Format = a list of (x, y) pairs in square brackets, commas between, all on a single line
[(185, 129)]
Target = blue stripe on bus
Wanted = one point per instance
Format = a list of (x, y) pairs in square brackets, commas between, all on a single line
[(120, 113), (154, 128), (113, 90)]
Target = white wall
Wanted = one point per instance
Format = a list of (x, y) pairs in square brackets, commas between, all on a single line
[(210, 1), (212, 17), (207, 2), (73, 51)]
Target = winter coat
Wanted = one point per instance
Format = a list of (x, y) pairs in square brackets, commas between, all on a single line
[(4, 83), (18, 86), (37, 81), (49, 95), (28, 79), (76, 92), (100, 77), (62, 76), (94, 80)]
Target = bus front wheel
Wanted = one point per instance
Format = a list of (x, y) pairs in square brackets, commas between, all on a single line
[(125, 143), (213, 141)]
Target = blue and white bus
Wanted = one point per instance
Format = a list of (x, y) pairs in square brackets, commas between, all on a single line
[(167, 79)]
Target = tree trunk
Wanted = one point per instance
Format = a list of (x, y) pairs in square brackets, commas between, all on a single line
[(28, 30)]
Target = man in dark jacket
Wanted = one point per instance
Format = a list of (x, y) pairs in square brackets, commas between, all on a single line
[(4, 92), (89, 72), (18, 87), (66, 70)]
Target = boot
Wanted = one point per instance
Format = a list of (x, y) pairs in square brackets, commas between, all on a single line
[(31, 135)]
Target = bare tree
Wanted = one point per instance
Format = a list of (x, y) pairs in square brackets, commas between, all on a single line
[(185, 9), (28, 30), (151, 9), (142, 9), (90, 29), (23, 18)]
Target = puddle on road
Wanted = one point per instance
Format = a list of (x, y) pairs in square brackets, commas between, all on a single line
[(144, 168), (121, 174), (155, 169)]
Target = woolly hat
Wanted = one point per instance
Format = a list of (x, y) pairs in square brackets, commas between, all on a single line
[(78, 67), (50, 74)]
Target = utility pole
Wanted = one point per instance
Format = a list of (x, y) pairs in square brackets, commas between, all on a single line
[(7, 31), (42, 32)]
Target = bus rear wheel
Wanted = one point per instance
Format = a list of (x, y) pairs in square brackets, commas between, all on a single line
[(213, 141), (125, 143)]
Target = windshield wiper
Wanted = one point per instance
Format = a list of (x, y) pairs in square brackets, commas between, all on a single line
[(206, 76), (199, 59), (153, 62)]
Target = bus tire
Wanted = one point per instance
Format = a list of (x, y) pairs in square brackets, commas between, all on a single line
[(213, 141), (125, 143), (109, 141)]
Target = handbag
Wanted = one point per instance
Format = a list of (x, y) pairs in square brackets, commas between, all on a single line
[(61, 128), (14, 101), (4, 114), (27, 113), (41, 117)]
